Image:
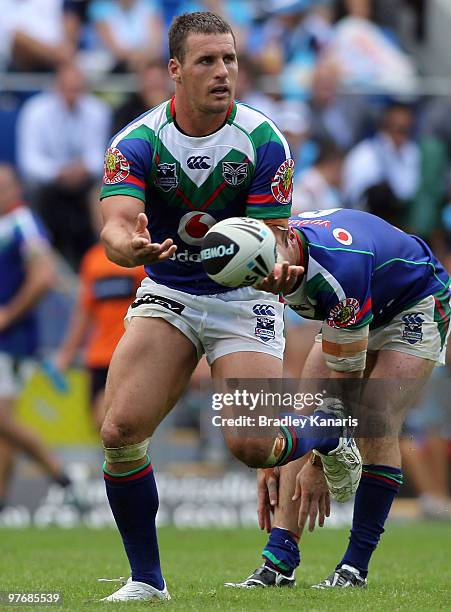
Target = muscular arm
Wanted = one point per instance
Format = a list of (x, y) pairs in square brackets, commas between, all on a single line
[(120, 215), (125, 235)]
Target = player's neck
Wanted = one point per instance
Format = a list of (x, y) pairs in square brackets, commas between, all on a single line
[(300, 248), (193, 122)]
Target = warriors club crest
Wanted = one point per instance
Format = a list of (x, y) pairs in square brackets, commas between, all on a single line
[(117, 167), (235, 173), (344, 313), (282, 183)]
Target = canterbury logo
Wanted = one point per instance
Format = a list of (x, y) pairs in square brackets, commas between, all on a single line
[(198, 162), (264, 310), (413, 320)]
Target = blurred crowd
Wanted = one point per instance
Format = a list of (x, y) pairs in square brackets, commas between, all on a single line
[(335, 77)]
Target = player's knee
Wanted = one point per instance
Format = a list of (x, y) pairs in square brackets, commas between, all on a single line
[(115, 435), (251, 451), (120, 447)]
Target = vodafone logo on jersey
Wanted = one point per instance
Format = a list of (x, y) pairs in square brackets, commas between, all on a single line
[(193, 226), (342, 236)]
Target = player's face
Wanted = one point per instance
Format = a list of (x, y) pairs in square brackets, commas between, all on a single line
[(208, 72)]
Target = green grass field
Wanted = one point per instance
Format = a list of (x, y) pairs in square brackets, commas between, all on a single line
[(410, 571)]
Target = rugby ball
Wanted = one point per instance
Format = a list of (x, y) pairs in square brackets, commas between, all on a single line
[(238, 252)]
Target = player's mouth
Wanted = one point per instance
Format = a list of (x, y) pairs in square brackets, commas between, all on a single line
[(220, 91)]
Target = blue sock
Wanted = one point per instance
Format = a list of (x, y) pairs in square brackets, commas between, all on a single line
[(301, 439), (282, 552), (133, 500), (373, 500)]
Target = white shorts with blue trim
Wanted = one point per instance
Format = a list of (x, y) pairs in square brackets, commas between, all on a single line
[(14, 373), (239, 320), (421, 330)]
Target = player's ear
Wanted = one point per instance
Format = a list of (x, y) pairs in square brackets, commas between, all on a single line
[(174, 69)]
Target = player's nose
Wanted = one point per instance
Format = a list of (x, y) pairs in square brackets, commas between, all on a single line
[(221, 70)]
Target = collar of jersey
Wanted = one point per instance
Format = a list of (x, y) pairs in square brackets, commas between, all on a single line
[(170, 114)]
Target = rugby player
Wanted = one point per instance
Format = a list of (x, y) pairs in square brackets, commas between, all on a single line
[(169, 176), (384, 302), (27, 273)]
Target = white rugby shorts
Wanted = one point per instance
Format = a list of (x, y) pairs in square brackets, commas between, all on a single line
[(239, 320), (421, 330), (14, 373)]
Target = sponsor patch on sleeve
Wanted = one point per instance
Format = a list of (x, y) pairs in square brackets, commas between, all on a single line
[(282, 183), (117, 167), (344, 313)]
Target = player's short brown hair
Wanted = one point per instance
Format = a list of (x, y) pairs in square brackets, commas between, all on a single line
[(194, 23)]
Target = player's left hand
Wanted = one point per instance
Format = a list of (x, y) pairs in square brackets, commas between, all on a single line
[(312, 488), (267, 495), (283, 279)]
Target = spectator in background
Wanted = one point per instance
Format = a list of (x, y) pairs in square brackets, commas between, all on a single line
[(36, 34), (154, 87), (319, 187), (292, 38), (239, 14), (106, 291), (368, 57), (378, 11), (345, 119), (60, 142), (27, 272), (382, 173), (293, 119), (434, 123), (249, 89), (75, 13), (435, 188), (131, 30)]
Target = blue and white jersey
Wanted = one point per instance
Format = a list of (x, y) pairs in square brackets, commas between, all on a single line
[(361, 270), (21, 237)]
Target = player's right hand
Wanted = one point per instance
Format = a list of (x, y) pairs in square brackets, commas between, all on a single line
[(311, 487), (283, 279), (143, 250), (267, 495)]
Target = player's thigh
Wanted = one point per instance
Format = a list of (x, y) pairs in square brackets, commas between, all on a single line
[(247, 364), (394, 386), (150, 369), (249, 443), (396, 381), (315, 365)]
